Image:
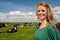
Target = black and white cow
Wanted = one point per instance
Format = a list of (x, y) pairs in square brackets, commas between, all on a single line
[(31, 24), (3, 25), (14, 29), (25, 24)]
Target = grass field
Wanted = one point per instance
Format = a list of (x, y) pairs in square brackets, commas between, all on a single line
[(23, 33)]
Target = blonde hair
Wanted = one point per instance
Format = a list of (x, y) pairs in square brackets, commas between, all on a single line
[(49, 17)]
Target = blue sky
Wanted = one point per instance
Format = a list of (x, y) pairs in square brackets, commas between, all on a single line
[(24, 5), (24, 10)]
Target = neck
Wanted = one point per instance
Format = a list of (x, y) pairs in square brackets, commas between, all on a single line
[(43, 21)]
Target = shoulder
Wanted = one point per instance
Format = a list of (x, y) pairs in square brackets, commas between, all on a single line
[(53, 32), (51, 29), (51, 26)]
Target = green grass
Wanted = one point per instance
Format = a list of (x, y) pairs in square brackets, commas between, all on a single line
[(23, 33)]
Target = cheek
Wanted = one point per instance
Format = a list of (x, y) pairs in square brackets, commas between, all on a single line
[(45, 14)]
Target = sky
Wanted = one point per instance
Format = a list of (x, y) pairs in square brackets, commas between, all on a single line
[(24, 10)]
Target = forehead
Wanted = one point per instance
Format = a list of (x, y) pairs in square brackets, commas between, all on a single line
[(41, 8)]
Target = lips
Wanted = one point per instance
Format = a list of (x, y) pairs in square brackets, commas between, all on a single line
[(42, 14)]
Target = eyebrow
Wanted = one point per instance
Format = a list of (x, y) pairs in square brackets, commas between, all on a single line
[(38, 10), (43, 10)]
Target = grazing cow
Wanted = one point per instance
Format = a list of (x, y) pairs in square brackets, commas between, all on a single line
[(16, 25), (12, 30), (57, 26), (21, 25), (26, 24), (31, 24), (3, 25), (38, 25)]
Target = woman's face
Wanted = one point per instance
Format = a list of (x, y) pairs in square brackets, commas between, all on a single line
[(41, 12)]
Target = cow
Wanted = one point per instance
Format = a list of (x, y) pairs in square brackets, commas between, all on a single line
[(14, 29), (3, 25), (26, 24), (31, 24)]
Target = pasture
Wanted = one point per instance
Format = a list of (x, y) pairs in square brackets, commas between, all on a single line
[(23, 33)]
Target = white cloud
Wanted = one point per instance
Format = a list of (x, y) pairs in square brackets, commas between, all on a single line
[(56, 12), (2, 16), (31, 13), (0, 12), (56, 8), (56, 16), (14, 13), (19, 16), (26, 16)]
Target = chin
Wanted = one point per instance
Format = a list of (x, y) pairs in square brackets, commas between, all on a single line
[(41, 19)]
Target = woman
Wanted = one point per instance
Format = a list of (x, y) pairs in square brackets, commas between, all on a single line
[(47, 29)]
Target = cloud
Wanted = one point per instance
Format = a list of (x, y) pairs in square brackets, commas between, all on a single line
[(56, 12), (14, 13), (19, 16), (22, 16)]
